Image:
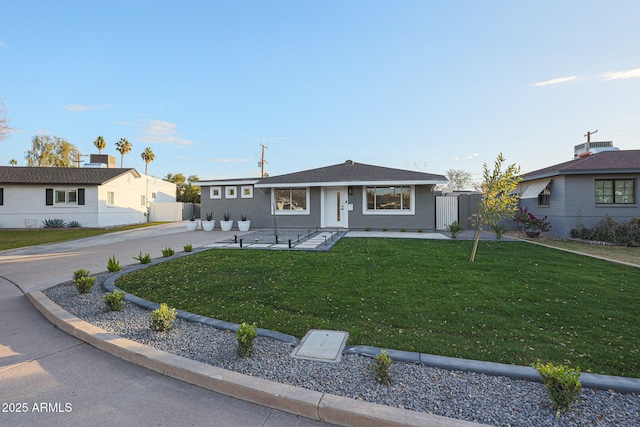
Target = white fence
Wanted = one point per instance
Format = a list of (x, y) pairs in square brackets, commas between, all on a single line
[(446, 211)]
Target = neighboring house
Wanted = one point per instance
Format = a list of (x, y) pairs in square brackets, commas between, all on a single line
[(585, 189), (92, 196), (347, 195)]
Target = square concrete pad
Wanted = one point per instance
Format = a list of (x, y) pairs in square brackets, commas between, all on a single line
[(321, 345)]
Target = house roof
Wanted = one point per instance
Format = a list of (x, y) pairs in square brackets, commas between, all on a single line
[(622, 161), (60, 176), (351, 172)]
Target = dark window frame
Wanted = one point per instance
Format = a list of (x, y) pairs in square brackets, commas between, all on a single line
[(607, 191)]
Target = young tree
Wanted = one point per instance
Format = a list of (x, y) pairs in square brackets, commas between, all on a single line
[(100, 144), (123, 147), (148, 157), (458, 179), (51, 151), (13, 162), (499, 200)]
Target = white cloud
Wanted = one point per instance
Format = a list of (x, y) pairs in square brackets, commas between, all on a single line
[(469, 157), (615, 75), (161, 132), (82, 108), (228, 160), (555, 81)]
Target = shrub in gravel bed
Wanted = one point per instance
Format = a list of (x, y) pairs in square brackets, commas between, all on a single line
[(246, 334), (114, 300), (167, 252), (380, 366), (113, 264), (162, 318), (562, 382), (144, 259), (84, 284), (80, 273)]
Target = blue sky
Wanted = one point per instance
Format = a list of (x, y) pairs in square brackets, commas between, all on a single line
[(419, 85)]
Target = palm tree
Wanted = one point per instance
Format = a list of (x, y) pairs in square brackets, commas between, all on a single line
[(100, 144), (13, 162), (148, 157), (123, 147)]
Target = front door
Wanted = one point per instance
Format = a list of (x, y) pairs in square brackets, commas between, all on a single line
[(336, 207)]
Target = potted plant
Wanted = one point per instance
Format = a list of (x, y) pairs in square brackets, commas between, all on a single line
[(226, 222), (209, 223), (244, 224), (192, 224), (532, 225)]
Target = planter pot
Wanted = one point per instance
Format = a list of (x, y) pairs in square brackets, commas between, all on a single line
[(192, 225), (244, 225), (532, 233), (226, 225), (208, 225)]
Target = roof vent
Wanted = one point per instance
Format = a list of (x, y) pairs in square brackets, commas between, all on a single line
[(349, 163)]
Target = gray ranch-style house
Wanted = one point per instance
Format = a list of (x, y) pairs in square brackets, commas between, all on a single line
[(584, 189), (347, 195), (92, 196)]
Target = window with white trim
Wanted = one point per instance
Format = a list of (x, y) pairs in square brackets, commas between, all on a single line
[(215, 192), (111, 198), (230, 192), (291, 200), (246, 191), (65, 197), (389, 200), (143, 200)]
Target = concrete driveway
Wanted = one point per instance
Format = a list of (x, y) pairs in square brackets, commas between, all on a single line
[(50, 378)]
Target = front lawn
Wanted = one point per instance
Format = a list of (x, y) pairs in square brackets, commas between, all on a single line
[(20, 238), (517, 303)]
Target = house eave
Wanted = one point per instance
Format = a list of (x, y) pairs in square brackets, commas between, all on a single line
[(215, 182), (348, 183)]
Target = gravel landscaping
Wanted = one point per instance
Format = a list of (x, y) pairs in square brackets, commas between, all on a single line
[(498, 401)]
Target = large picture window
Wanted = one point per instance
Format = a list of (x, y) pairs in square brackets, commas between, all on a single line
[(291, 200), (390, 199), (615, 191)]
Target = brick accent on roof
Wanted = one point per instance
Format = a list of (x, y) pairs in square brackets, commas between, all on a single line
[(626, 161), (60, 176), (350, 172)]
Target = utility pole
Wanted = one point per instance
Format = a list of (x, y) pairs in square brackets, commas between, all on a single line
[(588, 135), (262, 161), (81, 155)]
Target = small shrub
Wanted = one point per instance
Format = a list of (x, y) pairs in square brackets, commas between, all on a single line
[(144, 259), (384, 229), (367, 229), (84, 284), (73, 224), (499, 230), (53, 223), (380, 366), (246, 334), (403, 229), (188, 248), (419, 230), (167, 252), (454, 228), (113, 264), (209, 216), (80, 273), (243, 217), (562, 383), (114, 300), (162, 318), (226, 216)]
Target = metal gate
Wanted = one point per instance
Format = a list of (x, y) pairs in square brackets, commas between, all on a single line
[(446, 211)]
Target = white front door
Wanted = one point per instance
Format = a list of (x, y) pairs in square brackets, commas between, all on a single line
[(336, 207)]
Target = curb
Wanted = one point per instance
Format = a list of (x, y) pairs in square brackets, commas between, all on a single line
[(311, 404)]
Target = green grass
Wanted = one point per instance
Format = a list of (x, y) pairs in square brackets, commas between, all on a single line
[(12, 239), (516, 304)]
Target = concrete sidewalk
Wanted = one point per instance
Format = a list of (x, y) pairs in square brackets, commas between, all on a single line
[(49, 377)]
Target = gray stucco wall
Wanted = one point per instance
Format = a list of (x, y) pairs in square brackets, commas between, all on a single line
[(573, 196), (258, 210)]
